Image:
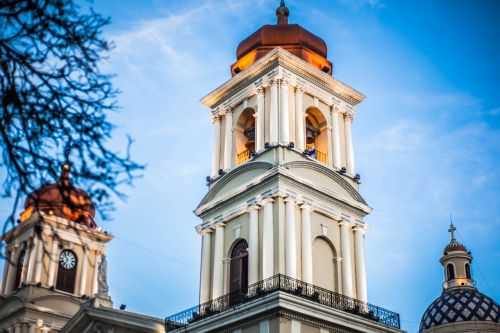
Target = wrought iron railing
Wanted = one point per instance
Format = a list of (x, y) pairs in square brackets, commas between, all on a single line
[(288, 285), (243, 156)]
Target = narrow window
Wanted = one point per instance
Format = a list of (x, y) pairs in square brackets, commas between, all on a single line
[(66, 272), (451, 271), (238, 283), (467, 271), (19, 269)]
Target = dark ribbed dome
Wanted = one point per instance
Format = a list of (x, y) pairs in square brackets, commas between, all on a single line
[(61, 199), (460, 305), (454, 246)]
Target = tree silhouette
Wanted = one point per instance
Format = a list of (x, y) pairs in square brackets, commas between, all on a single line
[(55, 100)]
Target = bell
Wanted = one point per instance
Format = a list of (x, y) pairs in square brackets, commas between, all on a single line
[(311, 133), (250, 134)]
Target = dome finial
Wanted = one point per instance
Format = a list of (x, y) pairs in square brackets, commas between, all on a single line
[(65, 173), (282, 14), (452, 230)]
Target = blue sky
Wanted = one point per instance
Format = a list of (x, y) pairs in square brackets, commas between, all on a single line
[(427, 138)]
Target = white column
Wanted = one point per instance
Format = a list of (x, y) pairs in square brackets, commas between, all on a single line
[(31, 265), (260, 121), (273, 112), (264, 326), (27, 259), (17, 328), (295, 326), (228, 139), (330, 145), (290, 239), (95, 274), (52, 263), (83, 274), (38, 261), (359, 254), (299, 120), (268, 239), (216, 146), (336, 137), (218, 273), (284, 113), (9, 281), (348, 144), (307, 267), (206, 246), (253, 245), (32, 328), (4, 279), (345, 244)]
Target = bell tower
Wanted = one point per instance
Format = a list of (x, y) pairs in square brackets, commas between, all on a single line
[(283, 176), (54, 259), (283, 216)]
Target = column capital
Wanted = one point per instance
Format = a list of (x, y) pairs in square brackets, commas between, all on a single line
[(226, 111), (299, 90), (267, 200), (362, 228), (215, 117), (203, 230), (260, 91), (290, 199), (253, 206), (283, 82), (337, 259), (345, 222), (272, 82), (305, 205), (218, 224)]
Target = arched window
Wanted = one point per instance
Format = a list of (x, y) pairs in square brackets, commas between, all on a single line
[(450, 271), (238, 281), (316, 135), (245, 135), (66, 272), (19, 269), (467, 271)]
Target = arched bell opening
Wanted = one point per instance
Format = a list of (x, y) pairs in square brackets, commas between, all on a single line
[(19, 269), (245, 135), (238, 270), (324, 264), (316, 135)]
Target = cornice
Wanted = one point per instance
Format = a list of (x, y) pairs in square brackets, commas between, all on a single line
[(276, 58)]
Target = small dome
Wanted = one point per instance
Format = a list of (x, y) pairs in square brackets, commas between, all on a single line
[(454, 246), (460, 305), (61, 199), (291, 37)]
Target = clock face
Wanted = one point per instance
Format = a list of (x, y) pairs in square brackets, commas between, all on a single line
[(67, 259)]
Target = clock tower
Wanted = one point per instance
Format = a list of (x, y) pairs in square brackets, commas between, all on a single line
[(55, 259), (283, 221)]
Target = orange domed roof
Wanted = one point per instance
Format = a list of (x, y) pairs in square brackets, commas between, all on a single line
[(61, 199), (291, 37)]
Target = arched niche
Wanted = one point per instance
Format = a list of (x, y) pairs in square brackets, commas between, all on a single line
[(245, 135), (324, 264), (316, 135)]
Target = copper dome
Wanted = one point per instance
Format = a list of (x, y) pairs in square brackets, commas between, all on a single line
[(61, 199), (291, 37), (454, 246)]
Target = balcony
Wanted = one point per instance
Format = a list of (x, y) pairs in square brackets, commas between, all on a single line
[(288, 285), (243, 156), (317, 155)]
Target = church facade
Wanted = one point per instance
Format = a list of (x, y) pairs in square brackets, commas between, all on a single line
[(282, 224)]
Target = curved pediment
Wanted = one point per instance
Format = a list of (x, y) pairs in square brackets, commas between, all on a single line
[(235, 178), (63, 303), (326, 177), (10, 304)]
